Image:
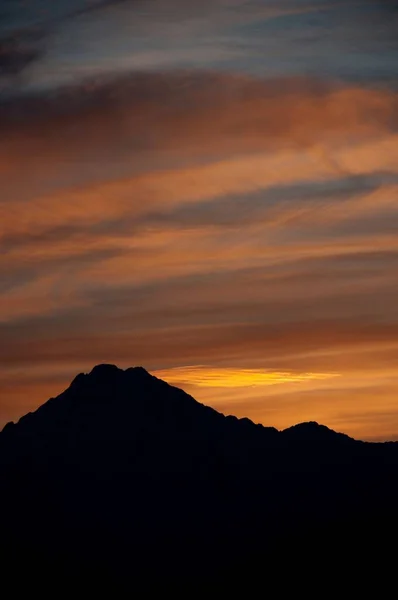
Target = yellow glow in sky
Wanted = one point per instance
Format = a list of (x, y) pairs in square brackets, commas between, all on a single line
[(204, 376)]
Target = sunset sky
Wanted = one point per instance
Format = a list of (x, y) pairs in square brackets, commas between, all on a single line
[(208, 189)]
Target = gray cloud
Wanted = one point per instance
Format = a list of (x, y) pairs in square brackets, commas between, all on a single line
[(189, 217)]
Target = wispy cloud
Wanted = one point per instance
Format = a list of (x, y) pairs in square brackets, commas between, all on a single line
[(178, 218), (203, 376)]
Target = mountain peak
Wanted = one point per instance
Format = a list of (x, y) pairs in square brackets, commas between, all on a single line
[(105, 370), (311, 431), (139, 371), (105, 373), (309, 425)]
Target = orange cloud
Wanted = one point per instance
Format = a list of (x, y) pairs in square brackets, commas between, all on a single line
[(135, 196), (126, 262), (200, 114)]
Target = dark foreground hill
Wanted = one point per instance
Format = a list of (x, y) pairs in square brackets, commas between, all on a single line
[(126, 476)]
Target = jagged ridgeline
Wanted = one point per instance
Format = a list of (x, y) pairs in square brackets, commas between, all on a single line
[(125, 474)]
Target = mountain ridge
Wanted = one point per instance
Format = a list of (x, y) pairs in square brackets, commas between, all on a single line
[(106, 372), (125, 474)]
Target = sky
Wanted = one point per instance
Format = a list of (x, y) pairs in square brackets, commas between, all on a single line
[(209, 190)]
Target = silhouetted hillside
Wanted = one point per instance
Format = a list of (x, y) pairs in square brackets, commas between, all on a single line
[(126, 475)]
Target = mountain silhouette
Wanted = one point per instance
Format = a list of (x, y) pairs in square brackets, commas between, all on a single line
[(127, 475)]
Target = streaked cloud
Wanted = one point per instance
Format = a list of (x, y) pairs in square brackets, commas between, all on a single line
[(231, 229), (203, 376)]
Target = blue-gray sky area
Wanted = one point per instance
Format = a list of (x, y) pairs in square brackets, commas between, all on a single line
[(210, 190), (339, 39)]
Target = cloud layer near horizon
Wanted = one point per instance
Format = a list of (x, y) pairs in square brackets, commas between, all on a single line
[(212, 226)]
